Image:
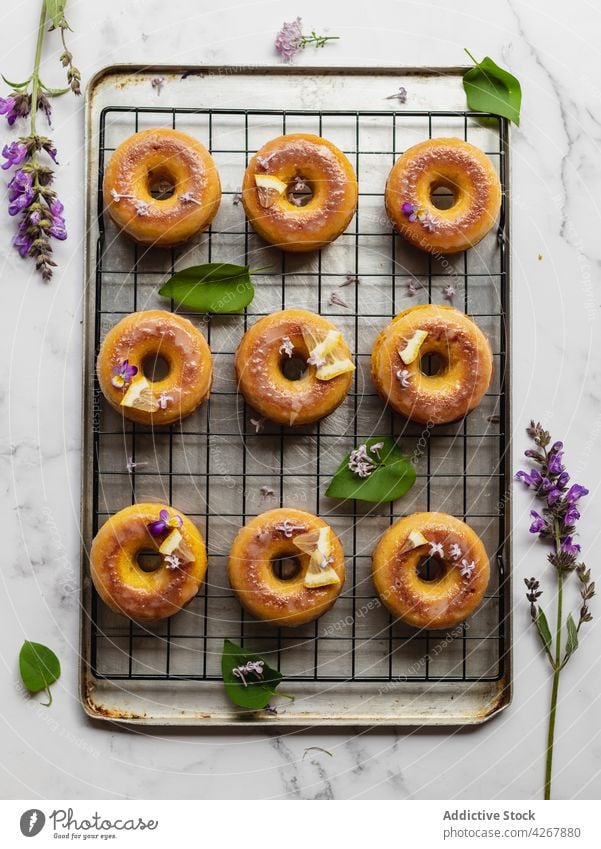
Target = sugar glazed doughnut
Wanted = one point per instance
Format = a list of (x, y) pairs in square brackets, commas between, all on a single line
[(152, 161), (279, 179), (275, 537), (277, 342), (452, 164), (121, 581), (465, 364), (459, 572), (136, 343)]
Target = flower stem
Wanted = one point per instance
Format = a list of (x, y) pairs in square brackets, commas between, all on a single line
[(557, 667), (35, 85)]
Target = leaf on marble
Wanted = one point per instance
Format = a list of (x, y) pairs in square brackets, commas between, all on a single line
[(39, 668), (490, 88)]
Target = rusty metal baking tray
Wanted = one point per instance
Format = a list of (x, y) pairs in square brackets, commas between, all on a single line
[(355, 666)]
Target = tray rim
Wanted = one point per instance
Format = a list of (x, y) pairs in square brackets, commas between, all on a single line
[(96, 712)]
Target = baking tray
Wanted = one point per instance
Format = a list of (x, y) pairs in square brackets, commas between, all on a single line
[(355, 666)]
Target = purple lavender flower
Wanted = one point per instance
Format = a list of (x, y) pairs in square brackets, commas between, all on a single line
[(164, 522), (538, 523), (571, 515), (20, 192), (57, 227), (570, 547), (7, 107), (289, 39), (123, 374), (14, 153), (22, 240), (575, 492), (410, 211)]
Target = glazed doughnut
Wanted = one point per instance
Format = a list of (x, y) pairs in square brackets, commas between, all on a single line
[(286, 534), (265, 352), (463, 352), (295, 163), (142, 164), (460, 563), (462, 169), (138, 341), (120, 580)]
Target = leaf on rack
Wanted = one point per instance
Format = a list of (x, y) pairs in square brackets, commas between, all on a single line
[(215, 287), (248, 680), (39, 668), (490, 88), (377, 471)]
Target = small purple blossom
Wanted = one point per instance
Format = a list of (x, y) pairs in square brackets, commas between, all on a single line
[(575, 493), (404, 378), (164, 523), (289, 39), (163, 400), (449, 292), (538, 523), (20, 192), (455, 552), (288, 528), (252, 667), (466, 569), (410, 211), (123, 374), (360, 463), (14, 153), (570, 547)]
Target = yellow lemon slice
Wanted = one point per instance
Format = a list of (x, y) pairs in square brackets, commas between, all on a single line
[(269, 188), (414, 540), (323, 354), (318, 546), (334, 367), (175, 544), (140, 396), (411, 350)]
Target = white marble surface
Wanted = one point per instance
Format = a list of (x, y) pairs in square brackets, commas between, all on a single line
[(556, 175)]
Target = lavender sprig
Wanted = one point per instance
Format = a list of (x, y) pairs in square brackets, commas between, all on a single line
[(555, 526), (32, 200), (290, 39)]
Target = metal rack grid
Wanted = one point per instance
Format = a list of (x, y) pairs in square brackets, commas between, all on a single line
[(363, 644)]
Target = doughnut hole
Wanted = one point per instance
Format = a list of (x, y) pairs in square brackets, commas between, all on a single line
[(444, 194), (286, 567), (161, 183), (431, 569), (148, 560), (432, 364), (300, 191), (155, 367)]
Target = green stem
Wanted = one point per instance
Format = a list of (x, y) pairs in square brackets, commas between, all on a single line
[(35, 77), (470, 55), (556, 673)]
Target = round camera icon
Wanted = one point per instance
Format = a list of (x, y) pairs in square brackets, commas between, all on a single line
[(32, 822)]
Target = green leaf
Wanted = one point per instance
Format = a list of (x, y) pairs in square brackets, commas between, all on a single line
[(393, 476), (215, 287), (56, 11), (542, 626), (490, 88), (16, 85), (55, 92), (258, 691), (39, 668), (572, 643)]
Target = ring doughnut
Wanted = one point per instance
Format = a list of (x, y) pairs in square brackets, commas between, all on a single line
[(140, 341), (459, 570), (275, 537), (148, 162), (452, 164), (121, 581), (280, 341), (464, 357), (282, 175)]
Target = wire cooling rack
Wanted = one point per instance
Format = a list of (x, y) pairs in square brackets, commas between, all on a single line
[(217, 465)]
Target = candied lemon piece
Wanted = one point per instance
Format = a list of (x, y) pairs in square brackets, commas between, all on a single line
[(333, 367), (411, 350), (269, 188), (176, 544), (140, 396), (324, 354), (317, 544), (414, 540)]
